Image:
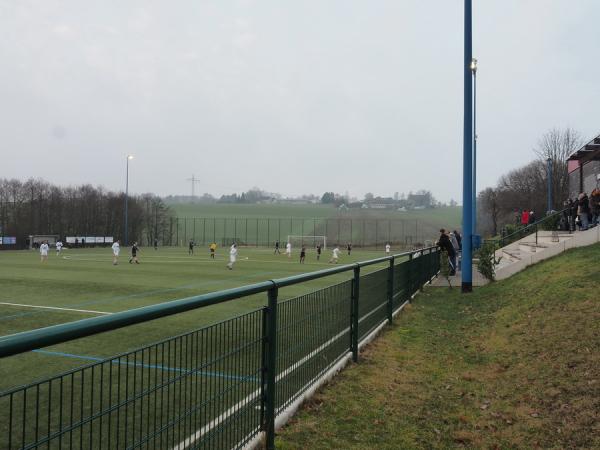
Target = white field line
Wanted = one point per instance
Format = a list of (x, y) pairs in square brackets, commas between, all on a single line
[(89, 311), (212, 424), (205, 429), (215, 422)]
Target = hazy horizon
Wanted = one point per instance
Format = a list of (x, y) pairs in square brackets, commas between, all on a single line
[(343, 96)]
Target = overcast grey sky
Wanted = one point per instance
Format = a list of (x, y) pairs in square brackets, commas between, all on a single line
[(291, 96)]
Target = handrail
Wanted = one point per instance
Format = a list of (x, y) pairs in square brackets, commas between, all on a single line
[(56, 334), (532, 226)]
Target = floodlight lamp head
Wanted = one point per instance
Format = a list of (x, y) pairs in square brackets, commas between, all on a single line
[(129, 156), (474, 65)]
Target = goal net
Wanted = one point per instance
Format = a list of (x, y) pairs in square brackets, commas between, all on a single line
[(313, 241)]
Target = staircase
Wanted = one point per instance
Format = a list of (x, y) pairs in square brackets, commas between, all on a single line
[(531, 250)]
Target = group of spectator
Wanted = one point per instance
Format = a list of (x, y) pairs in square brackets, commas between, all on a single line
[(451, 243), (582, 212), (524, 217)]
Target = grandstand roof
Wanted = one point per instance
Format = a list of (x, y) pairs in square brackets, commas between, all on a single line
[(589, 152)]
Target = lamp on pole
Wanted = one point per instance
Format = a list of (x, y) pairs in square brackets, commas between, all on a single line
[(549, 177), (474, 213), (467, 220), (129, 157)]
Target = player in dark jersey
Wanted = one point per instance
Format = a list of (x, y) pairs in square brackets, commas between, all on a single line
[(277, 252), (349, 247), (134, 252), (318, 251), (302, 254), (191, 248)]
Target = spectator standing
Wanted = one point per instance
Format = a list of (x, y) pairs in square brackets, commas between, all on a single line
[(446, 245), (595, 206), (525, 218), (584, 210)]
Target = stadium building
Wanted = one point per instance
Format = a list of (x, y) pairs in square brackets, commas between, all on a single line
[(584, 168)]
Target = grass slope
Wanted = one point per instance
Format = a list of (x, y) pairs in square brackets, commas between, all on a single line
[(514, 365), (447, 216)]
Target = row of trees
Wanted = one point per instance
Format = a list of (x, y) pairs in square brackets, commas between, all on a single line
[(38, 207), (526, 187)]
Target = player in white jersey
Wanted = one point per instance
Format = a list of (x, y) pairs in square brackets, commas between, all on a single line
[(288, 249), (232, 256), (44, 251), (59, 246), (388, 248), (335, 254), (116, 249)]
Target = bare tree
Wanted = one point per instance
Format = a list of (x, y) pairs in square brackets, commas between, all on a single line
[(490, 206), (37, 207), (557, 145)]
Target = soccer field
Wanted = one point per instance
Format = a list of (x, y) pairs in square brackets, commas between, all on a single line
[(83, 283)]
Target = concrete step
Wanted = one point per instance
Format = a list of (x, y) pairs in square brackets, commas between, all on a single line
[(531, 247), (511, 255)]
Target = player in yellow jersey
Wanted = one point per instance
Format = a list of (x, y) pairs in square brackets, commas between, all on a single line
[(213, 248)]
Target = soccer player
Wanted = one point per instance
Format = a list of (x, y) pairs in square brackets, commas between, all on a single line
[(388, 248), (116, 248), (302, 254), (319, 248), (288, 249), (213, 248), (44, 251), (349, 247), (191, 247), (232, 256), (59, 246), (277, 252), (155, 244), (335, 254), (134, 252)]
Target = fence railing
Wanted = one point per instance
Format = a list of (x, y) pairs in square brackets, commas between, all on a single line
[(548, 222), (220, 386), (264, 231)]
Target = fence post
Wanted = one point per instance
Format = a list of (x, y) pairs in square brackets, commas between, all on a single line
[(354, 313), (270, 368), (421, 270), (410, 277), (391, 291)]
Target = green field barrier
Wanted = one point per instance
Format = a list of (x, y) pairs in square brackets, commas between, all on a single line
[(253, 231), (220, 386)]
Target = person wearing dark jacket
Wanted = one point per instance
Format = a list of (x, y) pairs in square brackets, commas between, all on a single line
[(446, 245), (458, 239), (584, 211), (574, 206)]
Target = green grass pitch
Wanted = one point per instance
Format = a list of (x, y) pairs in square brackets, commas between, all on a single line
[(83, 283)]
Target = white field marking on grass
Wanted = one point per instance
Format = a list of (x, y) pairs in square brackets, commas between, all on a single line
[(215, 422), (88, 311), (212, 424)]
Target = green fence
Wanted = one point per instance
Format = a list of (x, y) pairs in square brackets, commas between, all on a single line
[(216, 387), (265, 231)]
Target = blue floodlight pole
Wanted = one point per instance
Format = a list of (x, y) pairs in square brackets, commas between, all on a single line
[(474, 213), (549, 160), (467, 264)]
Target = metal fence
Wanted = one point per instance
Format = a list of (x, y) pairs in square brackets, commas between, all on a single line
[(265, 231), (220, 386)]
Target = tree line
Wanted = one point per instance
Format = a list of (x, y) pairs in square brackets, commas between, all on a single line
[(526, 187), (39, 207)]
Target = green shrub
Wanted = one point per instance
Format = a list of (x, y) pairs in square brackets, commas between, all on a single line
[(487, 261)]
